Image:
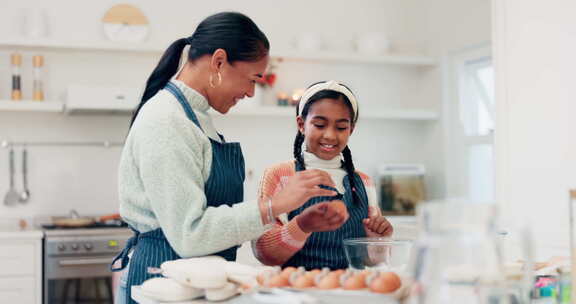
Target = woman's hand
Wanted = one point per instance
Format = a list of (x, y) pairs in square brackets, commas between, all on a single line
[(300, 188), (325, 216), (376, 225)]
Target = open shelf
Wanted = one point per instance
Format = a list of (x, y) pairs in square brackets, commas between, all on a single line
[(155, 49), (34, 44), (31, 106)]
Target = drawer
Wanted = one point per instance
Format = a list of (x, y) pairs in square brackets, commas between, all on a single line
[(18, 258), (19, 290)]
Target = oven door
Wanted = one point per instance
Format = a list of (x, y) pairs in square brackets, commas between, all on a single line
[(78, 279)]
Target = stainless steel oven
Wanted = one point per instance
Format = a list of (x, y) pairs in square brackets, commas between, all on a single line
[(76, 263)]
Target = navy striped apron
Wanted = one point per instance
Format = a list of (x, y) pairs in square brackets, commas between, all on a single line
[(225, 185), (325, 249)]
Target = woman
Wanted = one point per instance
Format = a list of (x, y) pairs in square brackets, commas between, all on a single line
[(180, 182)]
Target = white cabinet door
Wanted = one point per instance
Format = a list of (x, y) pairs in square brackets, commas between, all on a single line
[(17, 258), (19, 290), (20, 271)]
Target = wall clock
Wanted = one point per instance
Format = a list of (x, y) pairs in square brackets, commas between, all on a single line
[(126, 23)]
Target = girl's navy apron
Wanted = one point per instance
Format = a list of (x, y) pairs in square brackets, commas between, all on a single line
[(225, 185), (325, 249)]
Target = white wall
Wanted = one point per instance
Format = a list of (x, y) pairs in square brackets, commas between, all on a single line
[(85, 178), (536, 164)]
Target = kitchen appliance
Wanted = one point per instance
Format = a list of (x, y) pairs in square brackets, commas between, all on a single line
[(85, 99), (401, 188), (76, 261)]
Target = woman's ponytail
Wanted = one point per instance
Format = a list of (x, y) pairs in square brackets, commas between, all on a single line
[(164, 71)]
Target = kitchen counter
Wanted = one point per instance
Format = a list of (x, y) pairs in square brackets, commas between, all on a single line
[(322, 297), (26, 234), (10, 228)]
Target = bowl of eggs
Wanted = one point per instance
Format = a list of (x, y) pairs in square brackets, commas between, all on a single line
[(382, 254)]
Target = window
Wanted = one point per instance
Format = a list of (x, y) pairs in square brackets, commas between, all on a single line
[(471, 127)]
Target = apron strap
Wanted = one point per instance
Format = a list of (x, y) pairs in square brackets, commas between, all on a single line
[(172, 88), (124, 254)]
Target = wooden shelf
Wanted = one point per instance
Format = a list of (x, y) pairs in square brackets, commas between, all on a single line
[(155, 49), (31, 106), (271, 111)]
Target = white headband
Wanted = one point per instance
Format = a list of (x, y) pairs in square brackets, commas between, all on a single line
[(333, 86)]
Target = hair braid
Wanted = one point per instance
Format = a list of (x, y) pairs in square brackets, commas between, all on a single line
[(351, 172), (298, 149)]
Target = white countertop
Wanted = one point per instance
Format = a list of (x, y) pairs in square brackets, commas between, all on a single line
[(19, 234)]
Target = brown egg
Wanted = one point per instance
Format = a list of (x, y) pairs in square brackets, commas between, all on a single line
[(364, 276), (340, 207), (354, 282), (330, 281), (286, 272), (313, 273), (303, 281), (386, 282), (277, 281)]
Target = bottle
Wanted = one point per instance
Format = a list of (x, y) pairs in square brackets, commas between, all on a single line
[(16, 61), (564, 285), (37, 86), (572, 209)]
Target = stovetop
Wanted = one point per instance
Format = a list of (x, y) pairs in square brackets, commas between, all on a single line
[(96, 225)]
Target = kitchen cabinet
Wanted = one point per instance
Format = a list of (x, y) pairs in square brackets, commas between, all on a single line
[(21, 267)]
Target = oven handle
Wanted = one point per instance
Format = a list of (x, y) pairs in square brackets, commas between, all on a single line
[(85, 262)]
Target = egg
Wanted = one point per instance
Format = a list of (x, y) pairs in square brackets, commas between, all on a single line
[(330, 281), (287, 272), (313, 273), (340, 207), (266, 274), (303, 281), (386, 282), (277, 281), (354, 282)]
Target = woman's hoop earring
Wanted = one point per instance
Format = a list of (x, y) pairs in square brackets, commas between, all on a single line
[(211, 80)]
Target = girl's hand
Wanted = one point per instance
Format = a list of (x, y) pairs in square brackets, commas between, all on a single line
[(376, 225), (325, 216), (300, 188)]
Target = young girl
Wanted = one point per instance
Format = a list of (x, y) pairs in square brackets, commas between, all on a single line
[(311, 236)]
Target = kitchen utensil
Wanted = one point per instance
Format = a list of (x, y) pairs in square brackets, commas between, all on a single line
[(73, 220), (25, 195), (11, 197), (379, 253)]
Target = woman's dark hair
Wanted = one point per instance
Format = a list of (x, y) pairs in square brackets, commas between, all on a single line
[(233, 32), (347, 163)]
